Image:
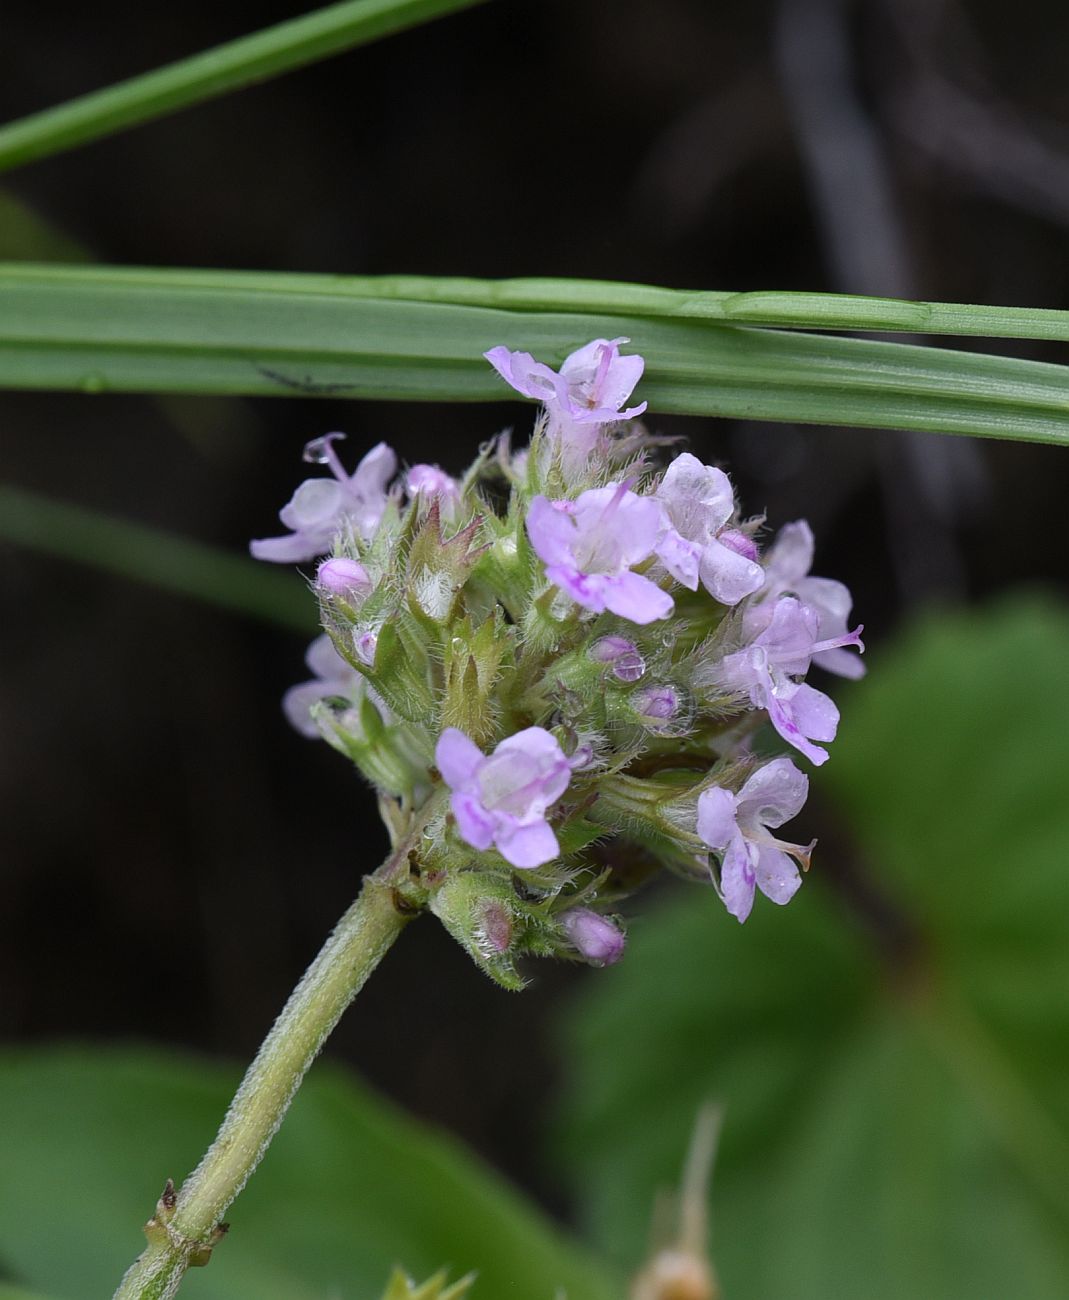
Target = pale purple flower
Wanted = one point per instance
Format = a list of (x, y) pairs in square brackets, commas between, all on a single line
[(737, 826), (769, 670), (323, 507), (595, 937), (343, 577), (332, 676), (431, 482), (622, 656), (590, 545), (787, 566), (593, 384), (501, 798), (699, 501)]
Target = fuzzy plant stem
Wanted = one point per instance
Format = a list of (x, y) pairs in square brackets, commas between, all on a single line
[(187, 1224)]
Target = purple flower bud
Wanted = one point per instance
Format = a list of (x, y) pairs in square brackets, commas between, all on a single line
[(590, 545), (365, 643), (656, 705), (343, 577), (737, 826), (594, 937), (502, 798), (428, 482), (621, 655)]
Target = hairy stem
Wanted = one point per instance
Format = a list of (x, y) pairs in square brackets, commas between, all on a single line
[(187, 1224)]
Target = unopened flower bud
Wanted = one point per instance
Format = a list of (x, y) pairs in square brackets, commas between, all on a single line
[(657, 706), (365, 644), (343, 577), (739, 543), (595, 937), (621, 655), (430, 482)]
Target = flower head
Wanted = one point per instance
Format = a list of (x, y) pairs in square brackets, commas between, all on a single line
[(502, 798), (323, 508), (590, 546), (699, 501), (506, 601), (737, 826)]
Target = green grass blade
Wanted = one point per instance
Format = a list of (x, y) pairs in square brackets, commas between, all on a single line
[(813, 311), (158, 558), (227, 67), (132, 330)]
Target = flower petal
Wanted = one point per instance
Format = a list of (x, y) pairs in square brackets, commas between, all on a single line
[(680, 557), (815, 712), (728, 576), (737, 879), (475, 825), (527, 846), (458, 758), (552, 532), (716, 817), (776, 874), (634, 597), (773, 794), (295, 548)]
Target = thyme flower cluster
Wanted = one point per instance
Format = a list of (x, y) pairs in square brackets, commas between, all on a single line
[(581, 646)]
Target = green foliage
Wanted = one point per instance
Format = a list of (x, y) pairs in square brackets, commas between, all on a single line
[(897, 1122), (228, 67), (162, 559), (349, 1189), (101, 329), (781, 310)]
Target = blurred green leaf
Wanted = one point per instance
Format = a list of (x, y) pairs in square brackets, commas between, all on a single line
[(100, 329), (227, 67), (151, 555), (349, 1188), (897, 1120)]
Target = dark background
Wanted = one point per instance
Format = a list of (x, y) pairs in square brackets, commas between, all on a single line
[(171, 854)]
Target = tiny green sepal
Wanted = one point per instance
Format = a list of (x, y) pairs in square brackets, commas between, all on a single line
[(401, 1287)]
